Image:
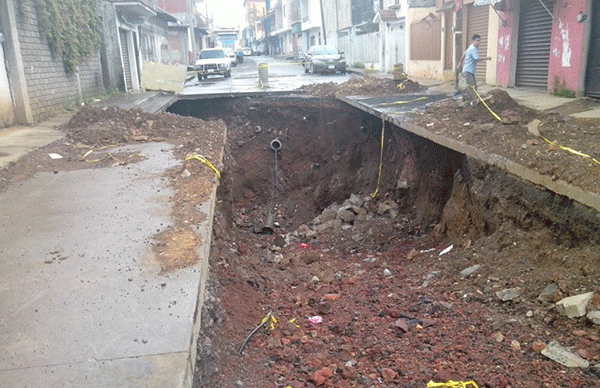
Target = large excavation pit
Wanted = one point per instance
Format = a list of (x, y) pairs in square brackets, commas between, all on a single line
[(385, 258)]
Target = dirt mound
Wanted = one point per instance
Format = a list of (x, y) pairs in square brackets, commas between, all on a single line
[(508, 136), (363, 86)]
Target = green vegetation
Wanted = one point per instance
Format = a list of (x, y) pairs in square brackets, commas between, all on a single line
[(359, 65), (71, 29), (564, 93)]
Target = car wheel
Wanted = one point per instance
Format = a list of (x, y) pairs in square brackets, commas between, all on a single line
[(199, 77), (305, 69), (311, 69), (228, 74)]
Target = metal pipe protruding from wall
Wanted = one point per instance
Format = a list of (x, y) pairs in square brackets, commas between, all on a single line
[(276, 145)]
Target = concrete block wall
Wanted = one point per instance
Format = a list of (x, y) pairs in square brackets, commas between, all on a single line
[(50, 89)]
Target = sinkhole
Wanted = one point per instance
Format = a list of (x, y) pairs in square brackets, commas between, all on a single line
[(319, 200)]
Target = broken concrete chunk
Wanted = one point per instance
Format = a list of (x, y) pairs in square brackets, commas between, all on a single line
[(327, 215), (549, 293), (355, 200), (383, 208), (465, 273), (346, 215), (574, 306), (402, 185), (532, 127), (594, 316), (507, 294), (563, 356), (358, 210)]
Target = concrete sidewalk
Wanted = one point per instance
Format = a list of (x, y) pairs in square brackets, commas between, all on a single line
[(83, 301), (534, 99)]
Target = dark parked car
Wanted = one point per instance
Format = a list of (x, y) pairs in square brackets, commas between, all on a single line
[(321, 59)]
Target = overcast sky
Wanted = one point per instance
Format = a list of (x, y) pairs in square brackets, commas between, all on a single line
[(226, 13)]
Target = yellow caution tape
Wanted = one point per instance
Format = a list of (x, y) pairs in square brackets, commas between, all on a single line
[(403, 102), (272, 321), (570, 150), (380, 158), (137, 156), (205, 161), (293, 322), (486, 105), (452, 384)]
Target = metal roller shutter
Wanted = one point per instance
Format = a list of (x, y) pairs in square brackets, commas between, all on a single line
[(477, 23), (535, 32), (126, 63), (592, 82)]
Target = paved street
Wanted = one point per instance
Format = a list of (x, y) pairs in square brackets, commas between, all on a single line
[(284, 75)]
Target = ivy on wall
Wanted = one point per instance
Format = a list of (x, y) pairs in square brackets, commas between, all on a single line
[(71, 29)]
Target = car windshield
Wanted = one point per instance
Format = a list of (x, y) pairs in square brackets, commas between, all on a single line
[(325, 51), (212, 54)]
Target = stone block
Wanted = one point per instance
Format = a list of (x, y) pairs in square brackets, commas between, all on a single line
[(574, 306), (563, 356)]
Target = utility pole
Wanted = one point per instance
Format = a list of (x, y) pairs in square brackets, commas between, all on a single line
[(192, 29), (323, 22)]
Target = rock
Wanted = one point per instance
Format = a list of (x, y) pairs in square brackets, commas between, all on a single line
[(583, 353), (498, 337), (328, 276), (279, 241), (594, 316), (355, 200), (387, 273), (550, 293), (507, 294), (509, 116), (563, 356), (402, 325), (346, 214), (388, 374), (446, 305), (574, 306), (383, 208), (515, 345), (315, 279), (412, 254), (532, 127), (321, 376), (538, 346), (465, 273), (186, 173), (328, 214), (324, 226), (402, 185)]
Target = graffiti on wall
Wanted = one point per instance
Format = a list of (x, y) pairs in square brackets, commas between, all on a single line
[(503, 48)]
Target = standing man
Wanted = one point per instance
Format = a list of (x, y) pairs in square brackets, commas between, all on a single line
[(468, 62)]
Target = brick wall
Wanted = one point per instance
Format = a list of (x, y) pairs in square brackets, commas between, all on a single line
[(50, 88)]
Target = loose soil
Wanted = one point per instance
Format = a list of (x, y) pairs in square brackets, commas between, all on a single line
[(366, 291)]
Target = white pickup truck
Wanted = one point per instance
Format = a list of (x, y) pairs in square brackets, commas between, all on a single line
[(213, 61)]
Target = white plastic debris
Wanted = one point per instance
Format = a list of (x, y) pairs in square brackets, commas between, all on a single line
[(447, 250), (317, 319), (54, 156)]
